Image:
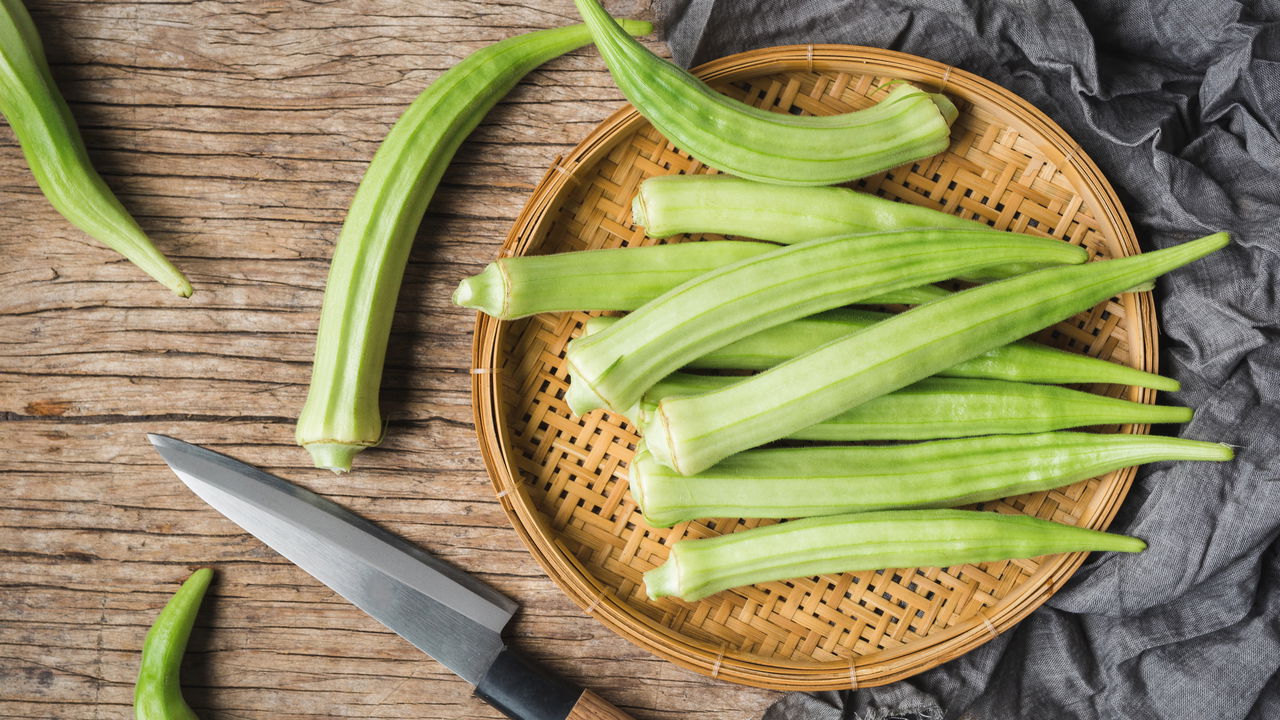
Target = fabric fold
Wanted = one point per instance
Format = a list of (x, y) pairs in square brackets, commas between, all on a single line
[(1179, 104)]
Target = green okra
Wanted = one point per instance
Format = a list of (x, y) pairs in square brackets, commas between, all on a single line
[(879, 540), (692, 433), (613, 278), (942, 407), (341, 415), (831, 480), (1022, 361), (56, 154), (620, 363), (669, 205), (908, 124), (158, 692)]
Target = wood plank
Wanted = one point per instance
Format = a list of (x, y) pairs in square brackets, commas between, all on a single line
[(236, 132)]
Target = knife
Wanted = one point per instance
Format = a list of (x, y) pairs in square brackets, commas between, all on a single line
[(443, 611)]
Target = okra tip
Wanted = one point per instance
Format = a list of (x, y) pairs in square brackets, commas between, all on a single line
[(180, 286), (1200, 247), (1122, 543), (159, 268), (194, 587), (1221, 452)]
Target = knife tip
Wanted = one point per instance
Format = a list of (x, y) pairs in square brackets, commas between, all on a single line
[(164, 442)]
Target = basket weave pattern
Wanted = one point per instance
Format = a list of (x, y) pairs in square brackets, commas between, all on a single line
[(562, 478)]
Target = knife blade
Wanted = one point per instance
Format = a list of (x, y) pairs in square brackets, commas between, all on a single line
[(443, 611)]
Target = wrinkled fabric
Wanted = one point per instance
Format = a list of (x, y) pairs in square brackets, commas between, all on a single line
[(1179, 103)]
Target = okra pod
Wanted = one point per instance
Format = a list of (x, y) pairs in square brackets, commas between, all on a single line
[(886, 539), (613, 278), (620, 363), (941, 407), (341, 415), (908, 124), (56, 154), (667, 205), (1021, 361), (692, 433), (158, 692), (810, 481)]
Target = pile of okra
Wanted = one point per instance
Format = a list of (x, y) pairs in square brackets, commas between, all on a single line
[(860, 428)]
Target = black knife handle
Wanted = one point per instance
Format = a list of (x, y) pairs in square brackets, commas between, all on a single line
[(523, 692)]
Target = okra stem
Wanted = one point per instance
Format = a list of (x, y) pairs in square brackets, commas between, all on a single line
[(692, 433), (866, 541), (810, 481), (620, 363)]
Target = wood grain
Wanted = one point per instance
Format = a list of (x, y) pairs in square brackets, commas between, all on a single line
[(591, 707), (236, 133)]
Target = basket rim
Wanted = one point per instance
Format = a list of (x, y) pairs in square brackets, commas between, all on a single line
[(746, 668)]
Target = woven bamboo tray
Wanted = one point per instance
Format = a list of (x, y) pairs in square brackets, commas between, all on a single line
[(562, 479)]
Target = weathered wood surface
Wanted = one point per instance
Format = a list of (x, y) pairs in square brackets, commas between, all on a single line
[(236, 133)]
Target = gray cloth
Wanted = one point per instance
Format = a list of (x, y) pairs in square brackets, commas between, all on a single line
[(1179, 103)]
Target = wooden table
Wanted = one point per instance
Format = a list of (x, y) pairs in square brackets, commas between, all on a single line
[(236, 133)]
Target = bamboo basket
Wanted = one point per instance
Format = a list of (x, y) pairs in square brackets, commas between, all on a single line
[(562, 479)]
